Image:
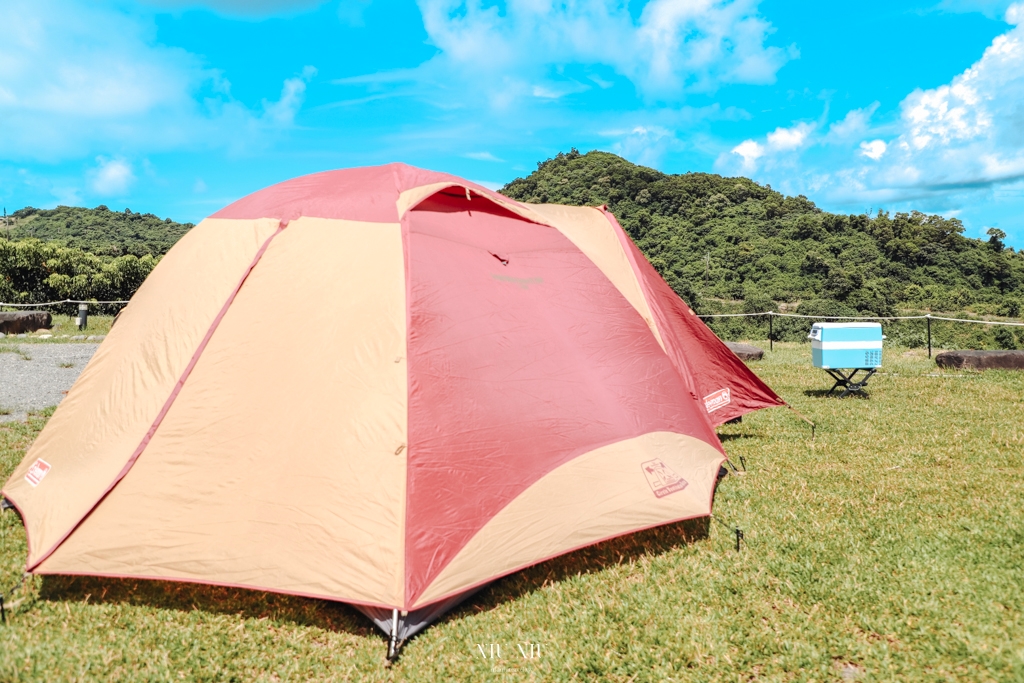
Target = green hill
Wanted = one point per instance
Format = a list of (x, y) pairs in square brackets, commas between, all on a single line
[(99, 231), (724, 244), (718, 239)]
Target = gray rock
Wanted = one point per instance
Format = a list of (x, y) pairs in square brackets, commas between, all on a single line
[(96, 337), (24, 321), (981, 360), (77, 337), (745, 351)]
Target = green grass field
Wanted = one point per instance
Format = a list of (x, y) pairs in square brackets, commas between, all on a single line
[(890, 548)]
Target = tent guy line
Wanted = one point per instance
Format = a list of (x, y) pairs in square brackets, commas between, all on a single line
[(852, 317)]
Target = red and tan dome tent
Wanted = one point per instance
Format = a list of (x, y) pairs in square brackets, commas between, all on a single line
[(383, 386)]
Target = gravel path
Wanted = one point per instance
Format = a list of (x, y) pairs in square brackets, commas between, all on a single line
[(35, 376)]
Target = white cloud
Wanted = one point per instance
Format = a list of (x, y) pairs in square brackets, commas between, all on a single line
[(942, 146), (750, 152), (854, 124), (1015, 14), (645, 145), (482, 156), (247, 9), (787, 139), (351, 12), (293, 92), (780, 143), (78, 78), (111, 177), (674, 47), (874, 149), (994, 9)]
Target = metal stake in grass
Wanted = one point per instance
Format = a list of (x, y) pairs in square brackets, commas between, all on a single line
[(736, 530), (393, 644)]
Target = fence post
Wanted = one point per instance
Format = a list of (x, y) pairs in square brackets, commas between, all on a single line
[(771, 331), (928, 319), (83, 316)]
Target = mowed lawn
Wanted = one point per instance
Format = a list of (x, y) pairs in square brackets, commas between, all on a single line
[(889, 548)]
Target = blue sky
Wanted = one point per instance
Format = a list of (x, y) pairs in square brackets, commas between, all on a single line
[(178, 107)]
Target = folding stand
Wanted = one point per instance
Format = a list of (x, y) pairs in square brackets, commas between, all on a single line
[(847, 382)]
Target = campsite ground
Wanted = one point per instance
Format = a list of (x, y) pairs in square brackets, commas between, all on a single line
[(889, 548)]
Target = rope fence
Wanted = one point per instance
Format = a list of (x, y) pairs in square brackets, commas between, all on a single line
[(852, 317), (59, 303), (771, 315)]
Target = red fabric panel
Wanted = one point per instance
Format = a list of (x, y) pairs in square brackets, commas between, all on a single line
[(514, 370), (694, 348), (356, 194)]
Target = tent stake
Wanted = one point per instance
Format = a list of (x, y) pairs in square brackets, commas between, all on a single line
[(393, 641), (735, 530)]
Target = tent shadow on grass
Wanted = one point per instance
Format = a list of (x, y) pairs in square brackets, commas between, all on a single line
[(188, 597), (340, 617), (732, 437), (824, 393)]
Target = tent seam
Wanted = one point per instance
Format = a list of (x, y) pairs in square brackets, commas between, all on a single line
[(404, 535)]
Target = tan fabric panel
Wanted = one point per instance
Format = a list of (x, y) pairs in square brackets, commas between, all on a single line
[(411, 198), (593, 234), (281, 464), (599, 495), (112, 405)]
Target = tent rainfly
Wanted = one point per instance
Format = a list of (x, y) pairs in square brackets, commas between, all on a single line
[(383, 386)]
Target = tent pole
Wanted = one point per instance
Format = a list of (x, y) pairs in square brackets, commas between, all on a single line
[(393, 641)]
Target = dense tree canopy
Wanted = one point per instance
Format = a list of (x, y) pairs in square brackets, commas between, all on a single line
[(100, 230), (716, 238), (33, 271)]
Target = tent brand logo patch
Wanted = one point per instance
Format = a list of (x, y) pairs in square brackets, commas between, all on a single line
[(719, 399), (36, 473), (521, 282), (661, 478)]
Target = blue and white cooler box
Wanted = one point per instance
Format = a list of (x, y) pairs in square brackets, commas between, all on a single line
[(846, 345)]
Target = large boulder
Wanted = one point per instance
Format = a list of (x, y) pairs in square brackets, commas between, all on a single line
[(745, 351), (24, 321), (981, 360)]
